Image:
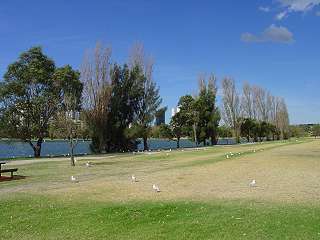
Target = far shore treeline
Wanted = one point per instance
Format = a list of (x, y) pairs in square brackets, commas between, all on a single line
[(115, 104)]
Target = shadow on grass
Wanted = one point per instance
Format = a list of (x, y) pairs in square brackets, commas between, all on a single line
[(15, 177)]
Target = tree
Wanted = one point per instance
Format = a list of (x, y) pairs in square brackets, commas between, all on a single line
[(189, 115), (124, 105), (165, 131), (282, 118), (71, 93), (30, 97), (316, 130), (177, 125), (247, 102), (231, 106), (224, 131), (95, 75), (149, 100), (209, 115), (247, 128), (298, 131), (261, 104)]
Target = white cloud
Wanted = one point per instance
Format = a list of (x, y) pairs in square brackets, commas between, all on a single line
[(281, 15), (271, 34), (264, 9), (299, 5), (290, 6)]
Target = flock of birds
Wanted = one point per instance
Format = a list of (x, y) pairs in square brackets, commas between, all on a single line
[(231, 154), (156, 188)]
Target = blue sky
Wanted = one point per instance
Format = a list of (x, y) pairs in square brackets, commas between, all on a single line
[(271, 43)]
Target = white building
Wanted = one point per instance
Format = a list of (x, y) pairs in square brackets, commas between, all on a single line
[(174, 111)]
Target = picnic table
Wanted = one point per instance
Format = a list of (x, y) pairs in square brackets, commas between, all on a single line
[(11, 170), (2, 163)]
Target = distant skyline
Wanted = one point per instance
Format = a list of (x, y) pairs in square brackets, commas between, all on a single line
[(270, 43)]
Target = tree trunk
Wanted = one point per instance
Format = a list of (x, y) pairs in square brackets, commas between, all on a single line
[(237, 135), (178, 142), (101, 143), (36, 148), (195, 134), (214, 140), (145, 144), (72, 152)]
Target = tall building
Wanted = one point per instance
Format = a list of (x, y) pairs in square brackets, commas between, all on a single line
[(161, 116)]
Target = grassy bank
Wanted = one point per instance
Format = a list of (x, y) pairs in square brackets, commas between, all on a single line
[(42, 218), (204, 195)]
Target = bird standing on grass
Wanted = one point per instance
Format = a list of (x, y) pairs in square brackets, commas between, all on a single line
[(155, 188), (73, 179), (133, 178), (88, 164), (252, 183)]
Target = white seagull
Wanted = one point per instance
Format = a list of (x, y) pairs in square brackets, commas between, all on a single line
[(88, 164), (133, 178), (155, 188), (73, 179), (252, 183)]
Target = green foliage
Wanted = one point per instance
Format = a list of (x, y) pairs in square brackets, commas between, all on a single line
[(199, 116), (71, 87), (32, 93), (316, 130), (247, 128), (178, 127), (124, 104), (251, 128), (165, 131), (209, 115), (224, 132), (128, 112), (148, 103)]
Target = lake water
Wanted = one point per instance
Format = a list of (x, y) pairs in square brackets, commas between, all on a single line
[(16, 149)]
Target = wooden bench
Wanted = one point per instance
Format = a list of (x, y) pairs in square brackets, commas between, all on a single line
[(12, 170)]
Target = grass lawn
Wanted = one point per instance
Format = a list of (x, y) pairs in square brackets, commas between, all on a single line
[(204, 195)]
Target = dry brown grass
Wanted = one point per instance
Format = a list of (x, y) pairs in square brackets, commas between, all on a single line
[(284, 173)]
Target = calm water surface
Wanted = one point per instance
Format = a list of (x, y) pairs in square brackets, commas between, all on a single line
[(59, 148)]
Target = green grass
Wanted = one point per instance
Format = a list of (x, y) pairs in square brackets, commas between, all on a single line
[(35, 217)]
